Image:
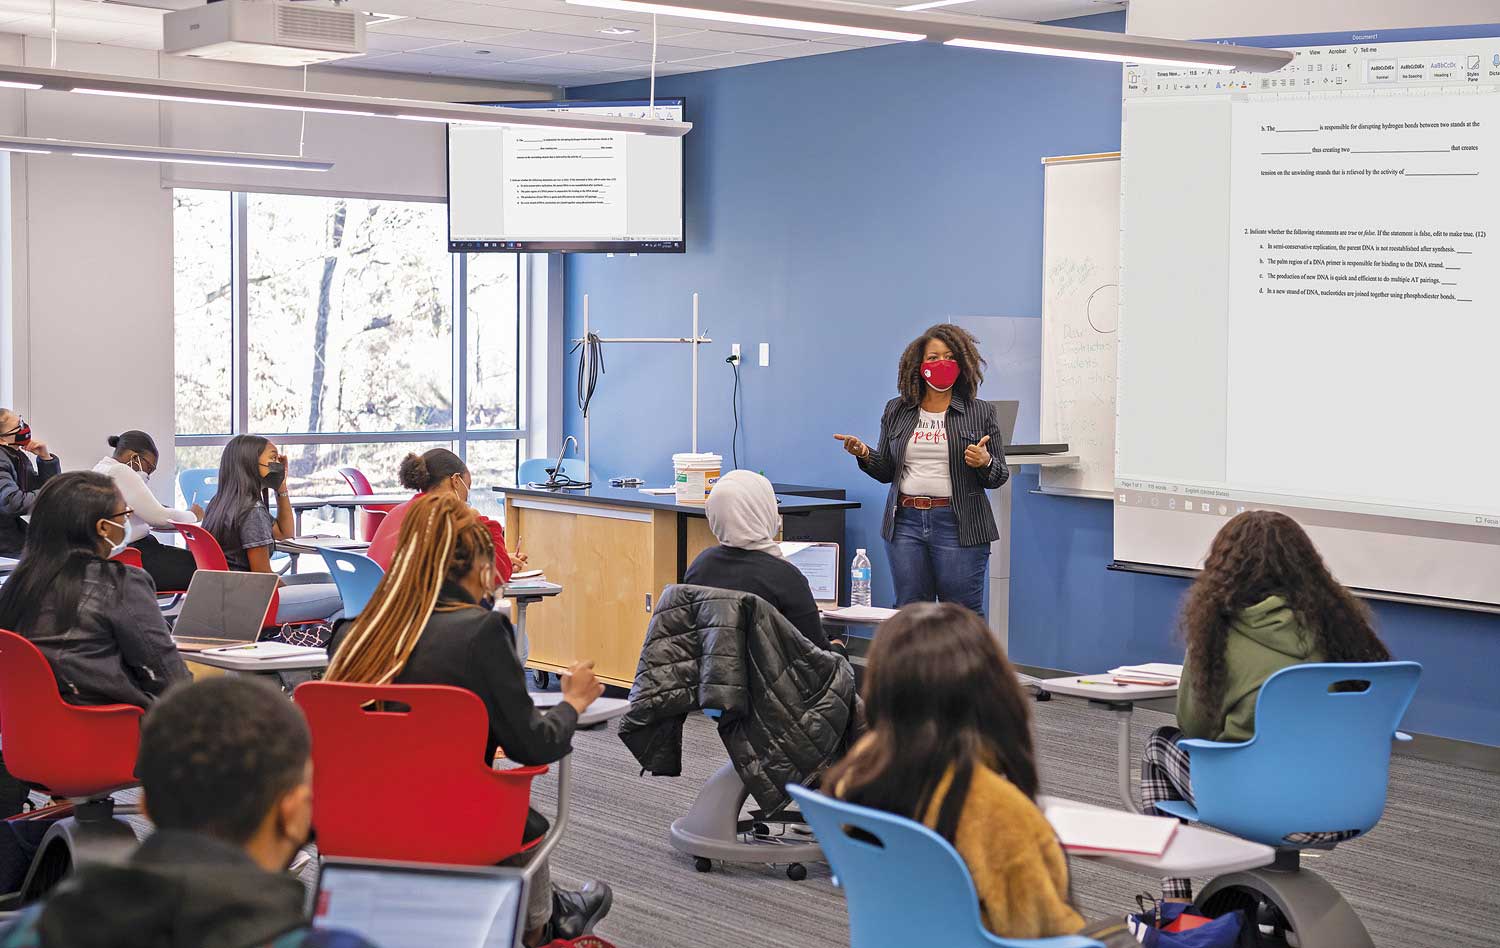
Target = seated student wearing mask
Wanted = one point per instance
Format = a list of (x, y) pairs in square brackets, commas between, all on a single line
[(239, 519), (96, 621), (744, 518), (20, 478), (130, 466), (426, 624), (435, 472), (949, 745), (226, 774)]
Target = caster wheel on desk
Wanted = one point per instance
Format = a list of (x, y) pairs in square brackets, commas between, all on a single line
[(796, 872), (541, 678), (761, 830), (703, 865)]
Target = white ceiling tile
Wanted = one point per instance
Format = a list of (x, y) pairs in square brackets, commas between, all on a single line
[(729, 60), (396, 42), (481, 53), (432, 29), (803, 48), (579, 62), (723, 42), (641, 52), (590, 26), (564, 42)]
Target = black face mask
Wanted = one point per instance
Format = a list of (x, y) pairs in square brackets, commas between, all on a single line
[(22, 431), (274, 476)]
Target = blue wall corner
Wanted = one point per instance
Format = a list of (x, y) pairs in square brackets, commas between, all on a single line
[(837, 205)]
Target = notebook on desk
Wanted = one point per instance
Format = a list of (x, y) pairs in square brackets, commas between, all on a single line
[(1096, 830), (223, 608), (412, 905)]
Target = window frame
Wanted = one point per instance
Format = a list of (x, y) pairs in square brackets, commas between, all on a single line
[(460, 433)]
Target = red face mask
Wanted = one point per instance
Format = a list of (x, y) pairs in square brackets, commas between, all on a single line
[(940, 374)]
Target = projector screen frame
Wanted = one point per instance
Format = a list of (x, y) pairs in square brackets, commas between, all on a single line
[(566, 246)]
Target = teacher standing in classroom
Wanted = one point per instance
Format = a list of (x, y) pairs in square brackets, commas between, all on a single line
[(940, 450)]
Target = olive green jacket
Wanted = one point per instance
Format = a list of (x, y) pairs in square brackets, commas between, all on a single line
[(1263, 639)]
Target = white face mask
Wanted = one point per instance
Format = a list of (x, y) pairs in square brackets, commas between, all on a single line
[(145, 475), (116, 548)]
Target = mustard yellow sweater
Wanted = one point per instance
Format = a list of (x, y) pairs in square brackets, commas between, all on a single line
[(1013, 855)]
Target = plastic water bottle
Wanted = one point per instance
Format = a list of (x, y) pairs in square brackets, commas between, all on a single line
[(859, 589)]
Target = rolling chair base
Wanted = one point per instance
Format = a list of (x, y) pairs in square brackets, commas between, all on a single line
[(1314, 910), (712, 829), (93, 835)]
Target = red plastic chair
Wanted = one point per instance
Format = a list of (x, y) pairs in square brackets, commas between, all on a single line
[(410, 785), (73, 750), (210, 556), (371, 516), (130, 556)]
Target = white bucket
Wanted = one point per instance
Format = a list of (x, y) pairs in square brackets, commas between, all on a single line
[(695, 476)]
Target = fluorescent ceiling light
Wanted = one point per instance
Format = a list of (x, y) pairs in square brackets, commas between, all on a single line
[(1081, 54), (20, 85), (195, 100), (330, 103), (191, 156), (933, 5), (751, 19), (922, 21)]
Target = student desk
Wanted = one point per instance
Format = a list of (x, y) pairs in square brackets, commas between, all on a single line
[(527, 593), (615, 549), (1193, 851), (603, 709), (258, 666), (349, 502), (1118, 700)]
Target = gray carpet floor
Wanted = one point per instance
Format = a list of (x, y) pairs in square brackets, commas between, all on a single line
[(1428, 875)]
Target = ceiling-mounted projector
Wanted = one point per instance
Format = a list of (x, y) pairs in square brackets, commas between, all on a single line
[(266, 32)]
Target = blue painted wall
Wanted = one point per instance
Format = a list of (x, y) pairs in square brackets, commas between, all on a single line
[(837, 205)]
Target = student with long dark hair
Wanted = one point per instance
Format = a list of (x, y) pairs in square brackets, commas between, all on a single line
[(239, 518), (20, 478), (96, 621), (949, 744), (130, 465), (438, 471), (1264, 601)]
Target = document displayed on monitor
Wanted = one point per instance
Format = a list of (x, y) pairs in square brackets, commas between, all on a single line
[(524, 189), (1308, 308), (415, 907)]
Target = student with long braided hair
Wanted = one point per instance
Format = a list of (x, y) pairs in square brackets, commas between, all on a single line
[(1264, 601), (425, 625)]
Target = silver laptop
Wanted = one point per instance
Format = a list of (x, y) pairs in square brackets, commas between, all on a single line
[(819, 563), (415, 905), (223, 608)]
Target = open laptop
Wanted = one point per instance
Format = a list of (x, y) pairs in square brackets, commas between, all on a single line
[(415, 905), (223, 608), (819, 563)]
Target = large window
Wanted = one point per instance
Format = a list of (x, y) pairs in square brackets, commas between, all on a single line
[(344, 331)]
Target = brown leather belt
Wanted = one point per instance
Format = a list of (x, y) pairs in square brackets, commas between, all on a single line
[(924, 503)]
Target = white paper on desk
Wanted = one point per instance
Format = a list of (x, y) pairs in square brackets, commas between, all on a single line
[(1160, 672), (263, 651), (658, 490), (860, 613), (1090, 829)]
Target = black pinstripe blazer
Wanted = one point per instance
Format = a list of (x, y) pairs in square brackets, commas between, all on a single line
[(967, 422)]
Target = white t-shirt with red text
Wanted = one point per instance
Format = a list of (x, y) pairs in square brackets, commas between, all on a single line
[(926, 470)]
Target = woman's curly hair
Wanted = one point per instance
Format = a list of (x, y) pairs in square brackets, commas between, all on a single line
[(965, 349), (1258, 554)]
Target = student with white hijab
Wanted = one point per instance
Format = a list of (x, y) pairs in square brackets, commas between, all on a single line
[(744, 518)]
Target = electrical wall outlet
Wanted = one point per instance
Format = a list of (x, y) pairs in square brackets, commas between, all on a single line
[(765, 353), (734, 350)]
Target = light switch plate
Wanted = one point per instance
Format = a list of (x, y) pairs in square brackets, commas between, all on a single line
[(765, 353)]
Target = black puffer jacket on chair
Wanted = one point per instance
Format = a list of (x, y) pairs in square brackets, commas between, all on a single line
[(786, 703)]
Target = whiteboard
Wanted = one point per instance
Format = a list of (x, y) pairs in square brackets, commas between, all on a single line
[(1080, 317)]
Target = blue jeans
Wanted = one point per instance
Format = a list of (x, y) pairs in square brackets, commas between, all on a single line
[(928, 564)]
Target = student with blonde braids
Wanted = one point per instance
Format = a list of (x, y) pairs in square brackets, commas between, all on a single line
[(425, 626)]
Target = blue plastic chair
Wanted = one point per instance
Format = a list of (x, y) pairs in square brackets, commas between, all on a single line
[(356, 577), (1319, 760), (198, 485), (905, 885), (535, 470)]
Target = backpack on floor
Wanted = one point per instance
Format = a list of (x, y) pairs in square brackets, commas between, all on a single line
[(582, 941), (1176, 925)]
